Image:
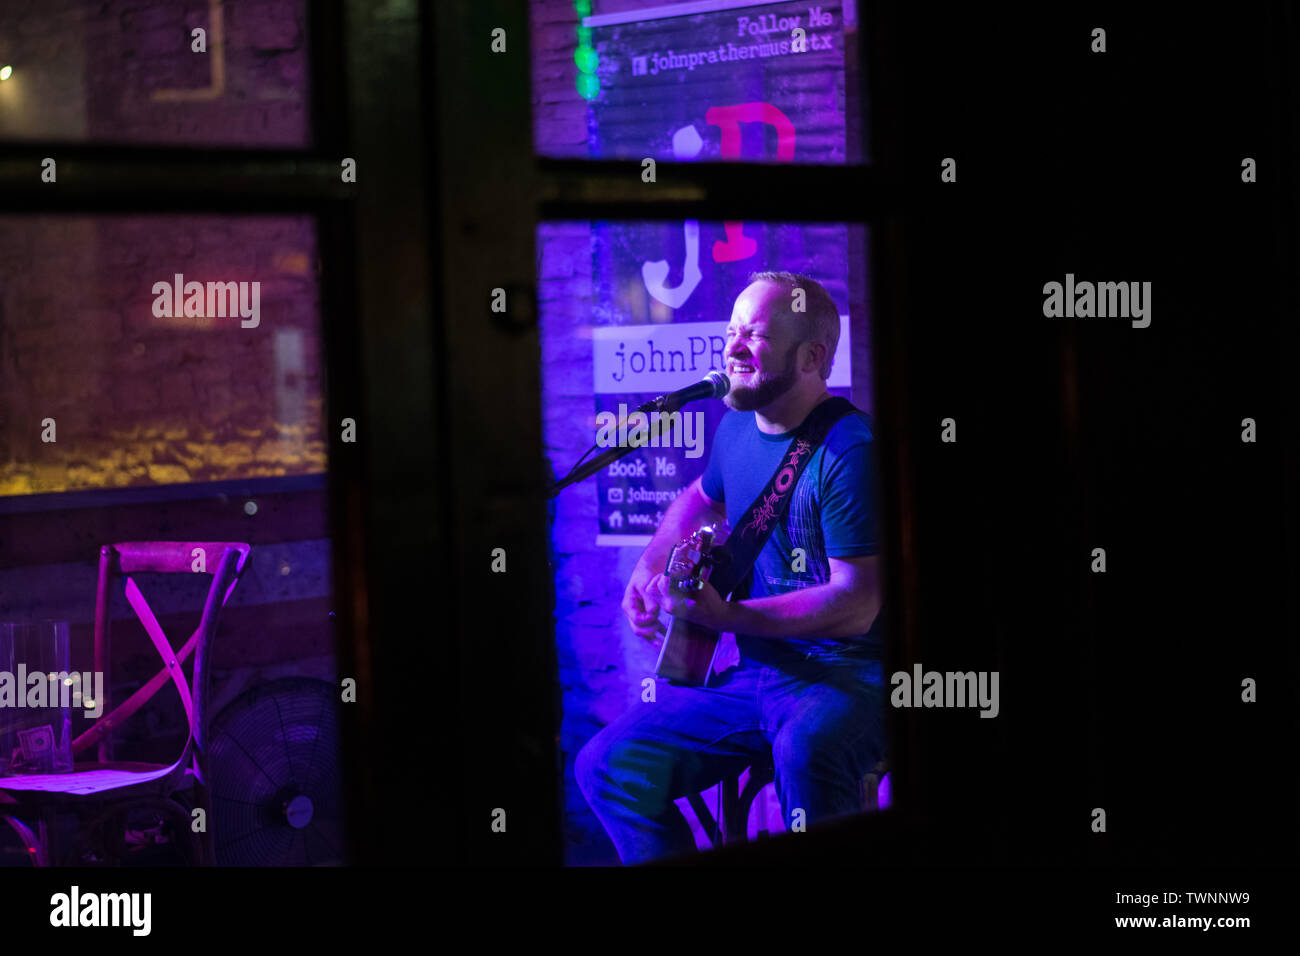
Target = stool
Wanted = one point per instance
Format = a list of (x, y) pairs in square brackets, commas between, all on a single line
[(736, 804)]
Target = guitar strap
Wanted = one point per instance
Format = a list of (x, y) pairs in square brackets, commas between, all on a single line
[(765, 512)]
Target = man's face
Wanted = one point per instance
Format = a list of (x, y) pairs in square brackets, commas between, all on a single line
[(761, 350)]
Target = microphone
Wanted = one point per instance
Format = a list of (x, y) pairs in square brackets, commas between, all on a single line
[(714, 385)]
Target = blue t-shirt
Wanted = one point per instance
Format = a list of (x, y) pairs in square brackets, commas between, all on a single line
[(832, 514)]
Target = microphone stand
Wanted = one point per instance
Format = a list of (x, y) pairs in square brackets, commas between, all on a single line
[(609, 455)]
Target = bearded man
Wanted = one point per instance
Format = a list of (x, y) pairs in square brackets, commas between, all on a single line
[(808, 693)]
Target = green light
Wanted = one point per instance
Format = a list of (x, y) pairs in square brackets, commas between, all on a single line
[(586, 59), (588, 86), (6, 72), (584, 56)]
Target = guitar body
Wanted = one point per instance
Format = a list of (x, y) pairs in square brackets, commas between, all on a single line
[(688, 651)]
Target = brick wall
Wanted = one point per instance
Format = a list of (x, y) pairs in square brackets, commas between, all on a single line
[(124, 71), (559, 113), (143, 400)]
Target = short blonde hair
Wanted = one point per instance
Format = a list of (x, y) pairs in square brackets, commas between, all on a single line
[(819, 322)]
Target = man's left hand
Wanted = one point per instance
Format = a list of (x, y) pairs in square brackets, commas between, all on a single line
[(705, 608)]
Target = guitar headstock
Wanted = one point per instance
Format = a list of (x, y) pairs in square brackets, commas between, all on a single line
[(690, 561)]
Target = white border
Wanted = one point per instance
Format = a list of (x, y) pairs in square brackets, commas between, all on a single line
[(622, 540), (674, 10)]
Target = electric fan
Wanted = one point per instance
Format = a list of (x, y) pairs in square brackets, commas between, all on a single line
[(273, 769)]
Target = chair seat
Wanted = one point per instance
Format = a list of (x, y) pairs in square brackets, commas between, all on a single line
[(89, 778)]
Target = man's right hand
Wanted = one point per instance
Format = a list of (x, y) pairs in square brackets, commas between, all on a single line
[(641, 605), (687, 512)]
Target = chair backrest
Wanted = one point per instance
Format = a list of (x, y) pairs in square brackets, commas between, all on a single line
[(167, 557)]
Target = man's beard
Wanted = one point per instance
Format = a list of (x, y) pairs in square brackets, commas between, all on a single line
[(769, 387)]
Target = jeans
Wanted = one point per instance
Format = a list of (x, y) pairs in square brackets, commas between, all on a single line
[(819, 715)]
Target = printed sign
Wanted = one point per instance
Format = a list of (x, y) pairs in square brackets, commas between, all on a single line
[(756, 83), (634, 364), (664, 358)]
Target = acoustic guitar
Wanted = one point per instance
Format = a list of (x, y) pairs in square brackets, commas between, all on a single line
[(689, 650)]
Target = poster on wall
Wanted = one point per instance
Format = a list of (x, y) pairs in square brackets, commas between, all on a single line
[(728, 80), (636, 363)]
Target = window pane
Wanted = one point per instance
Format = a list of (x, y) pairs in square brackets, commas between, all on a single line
[(124, 72), (161, 382), (630, 311), (109, 378), (717, 80)]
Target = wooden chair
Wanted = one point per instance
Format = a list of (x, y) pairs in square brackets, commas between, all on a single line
[(731, 825), (98, 791)]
